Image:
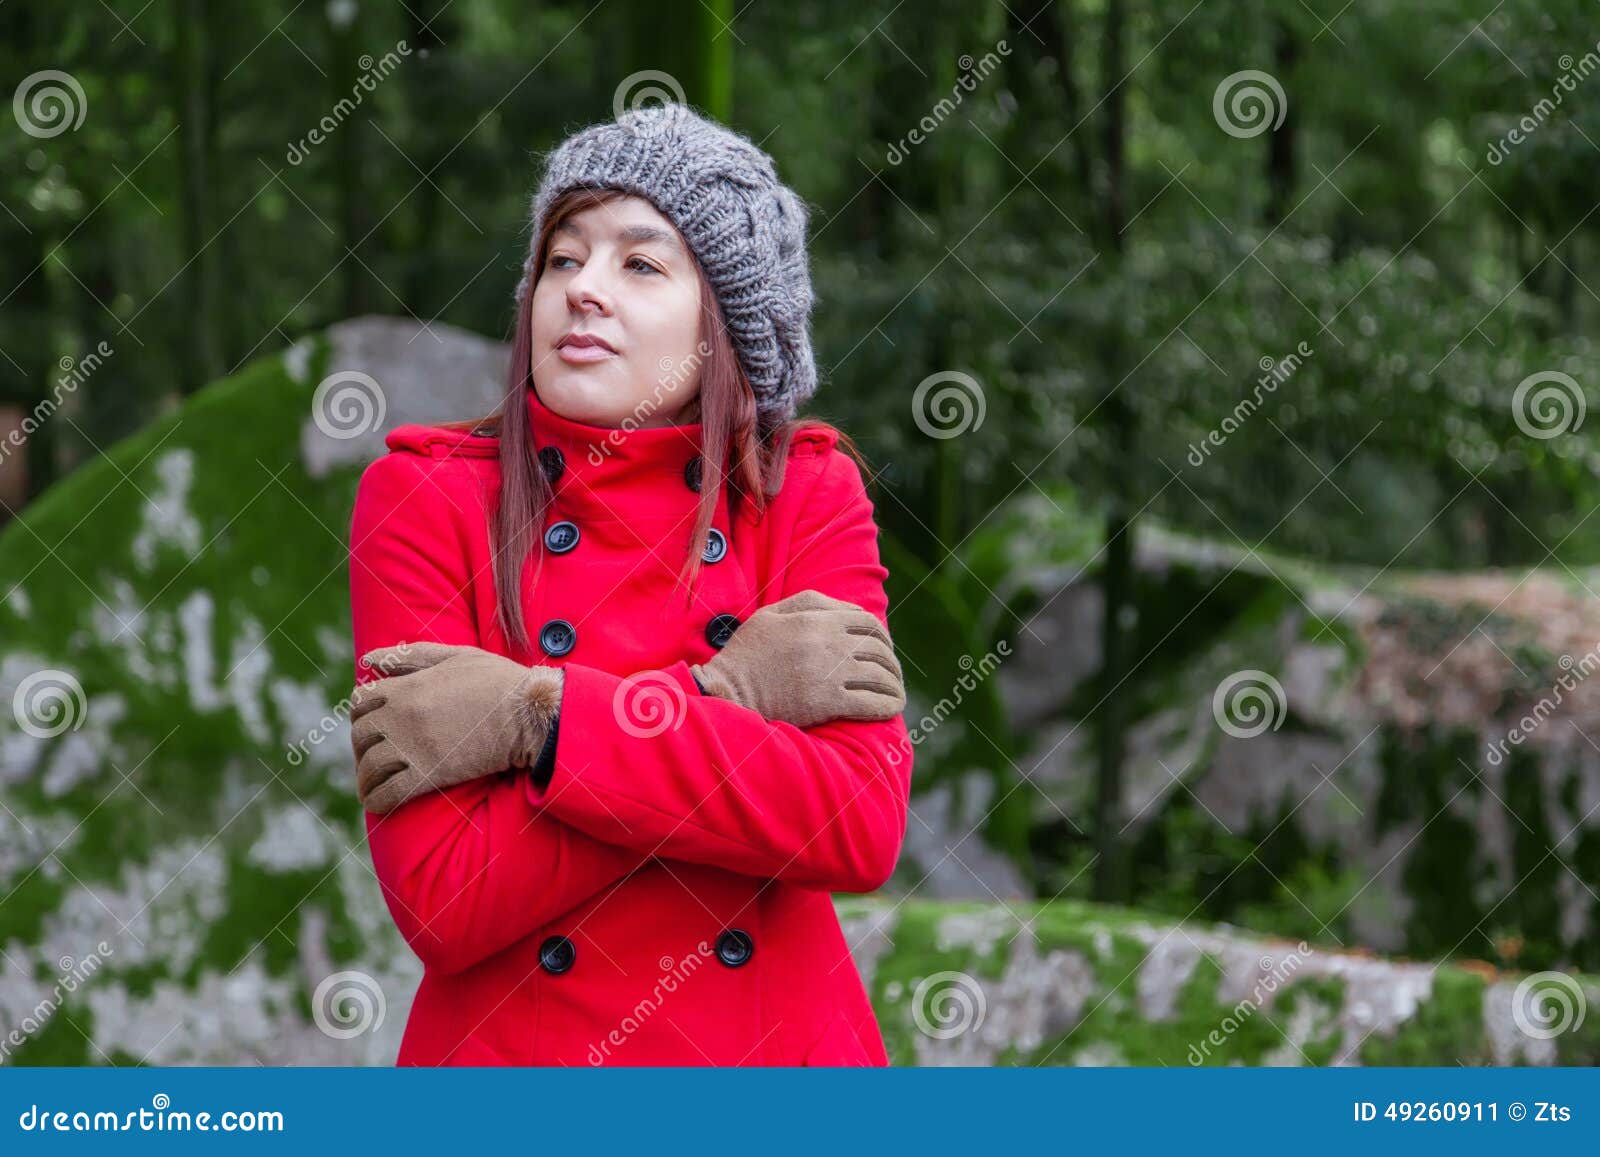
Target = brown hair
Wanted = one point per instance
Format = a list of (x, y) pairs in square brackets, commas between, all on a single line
[(727, 412)]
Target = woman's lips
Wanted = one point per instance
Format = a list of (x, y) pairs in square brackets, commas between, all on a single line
[(581, 354)]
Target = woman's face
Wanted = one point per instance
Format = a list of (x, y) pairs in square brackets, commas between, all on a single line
[(619, 273)]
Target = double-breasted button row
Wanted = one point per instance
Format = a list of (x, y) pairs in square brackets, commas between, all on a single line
[(557, 637), (557, 954), (553, 462)]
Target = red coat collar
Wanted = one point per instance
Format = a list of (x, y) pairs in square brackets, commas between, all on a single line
[(618, 472)]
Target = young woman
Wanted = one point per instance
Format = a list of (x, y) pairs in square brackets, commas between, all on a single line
[(627, 709)]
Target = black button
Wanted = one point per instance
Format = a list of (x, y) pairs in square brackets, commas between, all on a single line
[(693, 472), (561, 537), (716, 546), (557, 637), (720, 629), (556, 954), (734, 947), (552, 462)]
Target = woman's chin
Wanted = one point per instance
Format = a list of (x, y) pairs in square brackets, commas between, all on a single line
[(585, 394)]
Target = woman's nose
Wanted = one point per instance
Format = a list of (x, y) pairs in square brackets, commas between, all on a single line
[(587, 290)]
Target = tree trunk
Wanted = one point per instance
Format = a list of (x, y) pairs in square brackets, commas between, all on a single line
[(1110, 873), (201, 356)]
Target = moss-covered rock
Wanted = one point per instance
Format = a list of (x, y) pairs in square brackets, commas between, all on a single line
[(183, 872), (1066, 983), (1421, 777)]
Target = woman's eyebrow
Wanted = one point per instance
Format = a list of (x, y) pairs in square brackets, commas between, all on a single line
[(650, 233), (632, 233)]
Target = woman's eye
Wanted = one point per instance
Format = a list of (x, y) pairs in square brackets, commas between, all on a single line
[(555, 257), (643, 265)]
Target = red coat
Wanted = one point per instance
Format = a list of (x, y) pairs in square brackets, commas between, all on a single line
[(665, 900)]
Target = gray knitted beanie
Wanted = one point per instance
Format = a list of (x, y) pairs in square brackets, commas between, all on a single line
[(747, 229)]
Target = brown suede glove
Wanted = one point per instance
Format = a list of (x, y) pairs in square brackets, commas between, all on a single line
[(808, 659), (444, 715)]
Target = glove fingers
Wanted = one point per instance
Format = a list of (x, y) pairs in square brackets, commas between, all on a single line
[(869, 628), (873, 700), (874, 680), (366, 699), (884, 658), (394, 791), (380, 762), (403, 658), (807, 600), (364, 733)]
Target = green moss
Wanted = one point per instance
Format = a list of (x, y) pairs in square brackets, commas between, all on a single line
[(249, 489), (23, 913), (62, 1039), (139, 981), (262, 916), (1447, 1029)]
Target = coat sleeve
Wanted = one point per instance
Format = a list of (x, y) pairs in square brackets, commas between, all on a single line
[(469, 870), (823, 807)]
